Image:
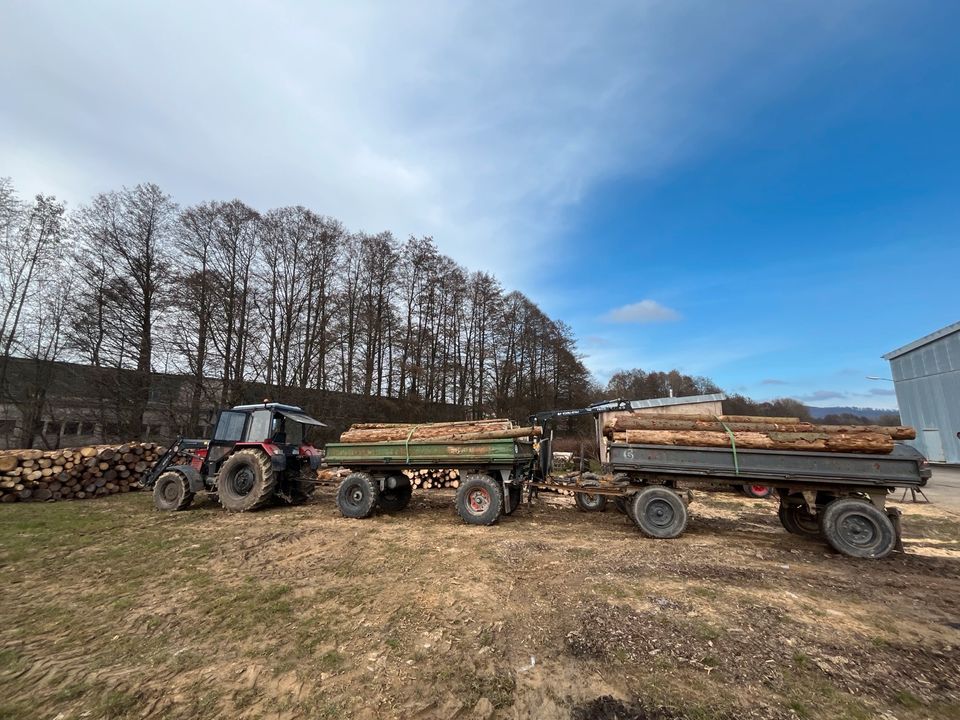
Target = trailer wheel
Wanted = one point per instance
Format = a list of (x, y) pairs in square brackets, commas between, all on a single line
[(797, 519), (858, 528), (479, 500), (659, 513), (171, 492), (395, 499), (589, 502), (357, 495), (756, 491), (246, 481)]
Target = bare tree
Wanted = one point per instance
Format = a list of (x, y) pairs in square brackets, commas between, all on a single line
[(135, 228)]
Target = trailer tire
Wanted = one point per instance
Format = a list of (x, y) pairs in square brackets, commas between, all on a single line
[(246, 481), (587, 502), (172, 492), (796, 519), (479, 500), (659, 512), (757, 491), (858, 528), (357, 496), (395, 499)]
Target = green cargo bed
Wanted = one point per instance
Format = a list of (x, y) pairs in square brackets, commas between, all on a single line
[(398, 453)]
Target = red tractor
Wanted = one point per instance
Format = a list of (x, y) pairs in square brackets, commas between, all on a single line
[(257, 453)]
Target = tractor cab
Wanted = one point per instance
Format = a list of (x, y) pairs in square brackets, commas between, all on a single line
[(280, 430), (257, 453)]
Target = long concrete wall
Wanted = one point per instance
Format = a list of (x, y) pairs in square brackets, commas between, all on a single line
[(73, 404)]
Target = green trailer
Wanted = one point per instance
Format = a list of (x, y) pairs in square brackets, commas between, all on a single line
[(492, 473)]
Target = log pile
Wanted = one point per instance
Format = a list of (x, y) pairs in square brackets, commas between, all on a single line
[(74, 473), (463, 431), (751, 432), (429, 478)]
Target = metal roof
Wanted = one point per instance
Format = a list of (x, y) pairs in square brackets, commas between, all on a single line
[(925, 340), (686, 400)]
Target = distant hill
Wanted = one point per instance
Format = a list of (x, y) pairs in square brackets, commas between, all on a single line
[(872, 413)]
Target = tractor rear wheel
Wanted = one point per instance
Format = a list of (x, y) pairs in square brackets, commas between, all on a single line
[(246, 481), (172, 492)]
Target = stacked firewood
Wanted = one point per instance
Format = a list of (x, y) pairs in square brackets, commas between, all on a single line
[(753, 432), (74, 473), (428, 478), (334, 475), (494, 429)]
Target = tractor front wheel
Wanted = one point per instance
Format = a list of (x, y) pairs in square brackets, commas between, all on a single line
[(246, 481), (172, 492)]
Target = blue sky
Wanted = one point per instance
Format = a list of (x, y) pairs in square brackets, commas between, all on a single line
[(761, 192)]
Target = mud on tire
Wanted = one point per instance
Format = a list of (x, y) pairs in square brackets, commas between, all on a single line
[(246, 481), (659, 512), (479, 500), (858, 528), (172, 492), (357, 496)]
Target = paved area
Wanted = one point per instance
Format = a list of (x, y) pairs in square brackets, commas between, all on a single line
[(943, 489)]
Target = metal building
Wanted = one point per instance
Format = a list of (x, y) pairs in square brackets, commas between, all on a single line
[(926, 376)]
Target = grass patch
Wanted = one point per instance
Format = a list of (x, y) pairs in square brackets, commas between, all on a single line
[(71, 692), (331, 661), (908, 700), (117, 704)]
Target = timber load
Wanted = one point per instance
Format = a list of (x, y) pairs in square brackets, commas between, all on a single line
[(464, 431), (754, 432), (74, 473)]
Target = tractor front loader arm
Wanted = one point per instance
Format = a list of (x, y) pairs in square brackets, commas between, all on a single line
[(180, 446)]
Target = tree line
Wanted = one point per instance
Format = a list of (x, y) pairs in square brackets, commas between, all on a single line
[(230, 295), (638, 383)]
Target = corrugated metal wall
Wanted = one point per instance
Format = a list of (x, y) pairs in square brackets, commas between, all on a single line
[(927, 381)]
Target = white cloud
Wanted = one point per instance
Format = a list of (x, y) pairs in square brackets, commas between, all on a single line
[(645, 311), (481, 125)]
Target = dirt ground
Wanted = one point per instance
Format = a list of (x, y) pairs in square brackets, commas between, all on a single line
[(112, 610)]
